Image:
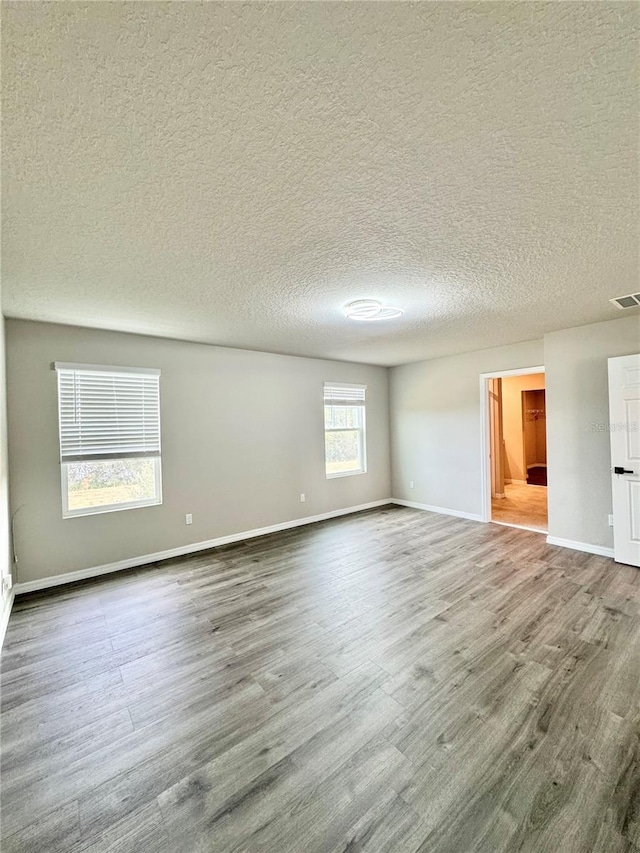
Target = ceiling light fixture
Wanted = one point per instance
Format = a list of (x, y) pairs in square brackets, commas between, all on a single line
[(371, 309)]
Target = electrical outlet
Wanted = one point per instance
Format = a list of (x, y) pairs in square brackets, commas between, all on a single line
[(411, 484), (7, 580), (303, 497), (610, 521), (188, 519)]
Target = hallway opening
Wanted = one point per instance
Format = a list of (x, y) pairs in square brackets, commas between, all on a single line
[(517, 449)]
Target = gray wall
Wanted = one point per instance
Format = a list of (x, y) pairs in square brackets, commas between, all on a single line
[(242, 436), (435, 424), (578, 450)]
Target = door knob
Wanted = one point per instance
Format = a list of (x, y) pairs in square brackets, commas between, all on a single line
[(620, 470)]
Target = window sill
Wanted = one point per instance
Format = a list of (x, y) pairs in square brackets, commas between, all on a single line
[(101, 510), (343, 474)]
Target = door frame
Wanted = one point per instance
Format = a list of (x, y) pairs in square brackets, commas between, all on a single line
[(485, 434), (625, 544)]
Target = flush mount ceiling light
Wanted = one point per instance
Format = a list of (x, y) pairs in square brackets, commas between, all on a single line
[(371, 309)]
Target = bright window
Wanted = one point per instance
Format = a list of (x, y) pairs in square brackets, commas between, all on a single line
[(344, 429), (109, 438)]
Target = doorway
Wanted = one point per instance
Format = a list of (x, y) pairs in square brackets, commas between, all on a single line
[(514, 424)]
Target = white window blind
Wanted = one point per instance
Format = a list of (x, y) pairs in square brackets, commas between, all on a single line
[(108, 412), (344, 395)]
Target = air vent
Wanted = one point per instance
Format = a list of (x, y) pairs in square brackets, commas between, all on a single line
[(630, 301)]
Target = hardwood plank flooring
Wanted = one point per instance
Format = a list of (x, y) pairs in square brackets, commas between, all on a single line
[(389, 682)]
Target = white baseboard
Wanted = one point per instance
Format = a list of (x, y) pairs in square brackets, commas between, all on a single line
[(182, 550), (600, 550), (144, 559), (439, 509), (537, 465), (4, 618), (515, 482)]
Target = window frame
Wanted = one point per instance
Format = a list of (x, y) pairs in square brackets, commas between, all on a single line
[(98, 510), (360, 430), (155, 456)]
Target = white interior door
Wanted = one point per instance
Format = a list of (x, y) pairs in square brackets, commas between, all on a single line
[(624, 415)]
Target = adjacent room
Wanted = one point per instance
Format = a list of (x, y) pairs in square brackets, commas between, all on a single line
[(518, 429), (320, 427)]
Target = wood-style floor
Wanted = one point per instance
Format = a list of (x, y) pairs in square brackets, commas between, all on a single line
[(394, 681), (522, 504)]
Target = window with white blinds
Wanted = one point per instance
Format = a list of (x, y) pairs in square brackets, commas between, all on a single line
[(108, 414), (109, 437), (344, 429)]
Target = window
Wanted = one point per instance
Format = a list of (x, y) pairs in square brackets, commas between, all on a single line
[(109, 438), (344, 429)]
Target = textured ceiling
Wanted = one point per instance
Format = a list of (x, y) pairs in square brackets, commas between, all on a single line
[(234, 173)]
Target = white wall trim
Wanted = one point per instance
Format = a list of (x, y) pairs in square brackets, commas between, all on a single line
[(144, 559), (4, 618), (600, 550), (471, 516), (182, 550), (511, 482)]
